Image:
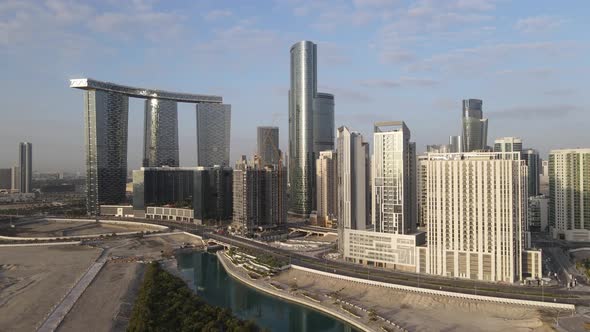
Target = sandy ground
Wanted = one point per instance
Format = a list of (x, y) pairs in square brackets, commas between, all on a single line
[(51, 228), (421, 312), (107, 303), (34, 279)]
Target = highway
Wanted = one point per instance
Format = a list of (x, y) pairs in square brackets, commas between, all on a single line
[(412, 279)]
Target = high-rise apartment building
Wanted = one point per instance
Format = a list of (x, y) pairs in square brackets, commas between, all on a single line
[(327, 187), (531, 157), (352, 183), (25, 159), (267, 148), (544, 178), (476, 207), (259, 195), (439, 148), (394, 207), (509, 144), (213, 134), (475, 127), (569, 192), (160, 136), (311, 126), (5, 178), (538, 214)]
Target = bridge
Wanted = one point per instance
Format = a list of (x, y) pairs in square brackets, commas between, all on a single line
[(314, 230)]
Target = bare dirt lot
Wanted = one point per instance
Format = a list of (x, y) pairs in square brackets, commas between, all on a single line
[(53, 228), (417, 312), (34, 279)]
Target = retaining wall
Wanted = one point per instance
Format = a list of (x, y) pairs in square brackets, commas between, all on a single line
[(440, 292)]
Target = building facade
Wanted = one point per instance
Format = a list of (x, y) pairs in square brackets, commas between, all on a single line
[(267, 147), (569, 192), (160, 135), (455, 144), (25, 158), (323, 123), (259, 196), (15, 178), (475, 127), (352, 182), (508, 144), (531, 157), (476, 208), (327, 187), (394, 207), (6, 178), (538, 214), (213, 134)]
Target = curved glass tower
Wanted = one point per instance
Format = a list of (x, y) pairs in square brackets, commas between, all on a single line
[(160, 138), (475, 127), (301, 103)]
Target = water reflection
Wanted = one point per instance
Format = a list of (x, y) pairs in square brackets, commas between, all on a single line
[(211, 282)]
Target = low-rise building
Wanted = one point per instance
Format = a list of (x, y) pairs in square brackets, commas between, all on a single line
[(174, 214)]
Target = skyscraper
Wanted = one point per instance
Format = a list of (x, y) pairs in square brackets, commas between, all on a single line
[(476, 205), (25, 158), (531, 157), (213, 134), (509, 144), (394, 179), (475, 127), (569, 193), (323, 123), (15, 176), (160, 133), (267, 148), (311, 126), (456, 144), (352, 184), (327, 186), (5, 178)]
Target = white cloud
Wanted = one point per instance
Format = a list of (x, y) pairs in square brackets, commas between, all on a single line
[(402, 82), (217, 14), (538, 24)]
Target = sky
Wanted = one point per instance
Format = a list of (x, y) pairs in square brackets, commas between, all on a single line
[(528, 60)]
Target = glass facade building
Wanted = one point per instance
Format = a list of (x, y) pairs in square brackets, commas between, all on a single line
[(25, 157), (267, 147), (213, 134), (531, 156), (160, 133), (475, 127), (323, 123)]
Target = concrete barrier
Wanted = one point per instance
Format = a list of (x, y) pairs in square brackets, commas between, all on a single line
[(39, 244), (440, 292)]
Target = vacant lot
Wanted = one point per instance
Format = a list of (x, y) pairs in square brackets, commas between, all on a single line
[(53, 228), (34, 279)]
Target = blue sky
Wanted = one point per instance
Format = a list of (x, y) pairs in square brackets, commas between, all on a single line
[(382, 59)]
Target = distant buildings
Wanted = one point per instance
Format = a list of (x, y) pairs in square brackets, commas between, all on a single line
[(25, 160), (538, 213), (327, 188), (394, 207), (569, 183), (5, 179), (544, 178), (455, 144), (213, 134), (508, 144), (160, 133), (476, 228), (475, 127), (259, 195), (15, 178), (267, 147), (531, 157), (311, 126)]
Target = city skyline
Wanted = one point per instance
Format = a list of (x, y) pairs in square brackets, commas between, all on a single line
[(533, 85)]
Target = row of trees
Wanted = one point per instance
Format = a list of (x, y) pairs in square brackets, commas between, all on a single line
[(166, 303)]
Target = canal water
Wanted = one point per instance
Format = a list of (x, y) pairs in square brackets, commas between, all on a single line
[(209, 279)]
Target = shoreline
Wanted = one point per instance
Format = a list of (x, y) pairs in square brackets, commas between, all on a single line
[(288, 297)]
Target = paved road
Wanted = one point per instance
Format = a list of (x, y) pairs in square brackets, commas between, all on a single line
[(413, 279)]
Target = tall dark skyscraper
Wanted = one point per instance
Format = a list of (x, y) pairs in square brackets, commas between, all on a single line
[(160, 137), (213, 134), (311, 126), (267, 147), (475, 127), (25, 161), (534, 165)]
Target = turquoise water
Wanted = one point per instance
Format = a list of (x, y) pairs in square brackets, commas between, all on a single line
[(212, 283)]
